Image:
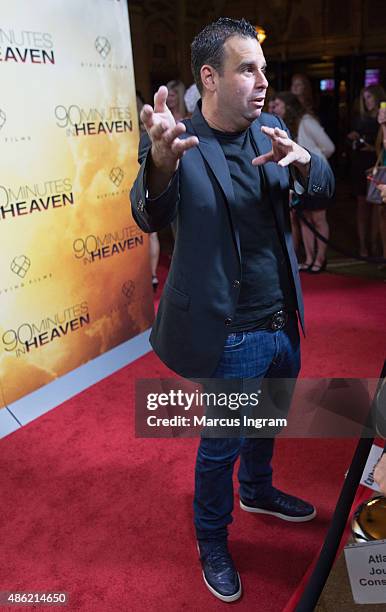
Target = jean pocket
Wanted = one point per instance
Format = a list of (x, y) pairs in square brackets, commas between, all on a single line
[(234, 340)]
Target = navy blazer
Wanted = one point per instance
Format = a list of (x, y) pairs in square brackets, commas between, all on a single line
[(203, 284)]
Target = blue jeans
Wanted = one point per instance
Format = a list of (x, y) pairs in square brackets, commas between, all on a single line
[(247, 355)]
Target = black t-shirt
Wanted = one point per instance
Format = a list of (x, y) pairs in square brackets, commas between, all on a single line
[(265, 283)]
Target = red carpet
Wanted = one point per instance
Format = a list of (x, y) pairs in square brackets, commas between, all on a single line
[(88, 509)]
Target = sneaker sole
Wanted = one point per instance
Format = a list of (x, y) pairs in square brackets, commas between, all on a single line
[(284, 517), (226, 598)]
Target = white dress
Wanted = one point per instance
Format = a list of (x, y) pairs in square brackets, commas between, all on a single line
[(312, 137)]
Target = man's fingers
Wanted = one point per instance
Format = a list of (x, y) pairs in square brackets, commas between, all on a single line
[(274, 133), (287, 160), (268, 131), (147, 116), (160, 99), (179, 147), (157, 130), (286, 142), (281, 133), (262, 159), (174, 132)]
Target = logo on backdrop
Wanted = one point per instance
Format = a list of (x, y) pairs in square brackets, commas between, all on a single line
[(33, 335), (116, 176), (20, 265), (128, 290), (123, 307), (94, 248), (79, 121), (103, 46), (131, 298), (37, 198), (26, 47), (17, 264), (5, 137)]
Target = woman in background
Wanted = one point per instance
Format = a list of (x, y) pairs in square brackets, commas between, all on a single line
[(307, 131), (269, 102), (175, 100), (362, 139), (302, 89), (191, 97)]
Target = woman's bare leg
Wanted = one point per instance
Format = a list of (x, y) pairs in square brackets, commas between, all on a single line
[(154, 255), (319, 220), (308, 239), (296, 233)]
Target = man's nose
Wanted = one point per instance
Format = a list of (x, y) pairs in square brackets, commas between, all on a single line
[(261, 81)]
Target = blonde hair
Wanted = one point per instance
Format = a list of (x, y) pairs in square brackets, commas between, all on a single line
[(179, 88)]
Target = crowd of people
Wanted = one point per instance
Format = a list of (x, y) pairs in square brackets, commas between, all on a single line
[(367, 147)]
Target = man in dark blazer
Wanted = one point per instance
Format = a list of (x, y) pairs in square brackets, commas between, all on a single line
[(231, 301)]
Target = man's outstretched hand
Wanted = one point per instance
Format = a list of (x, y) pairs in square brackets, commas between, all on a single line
[(166, 146), (284, 151)]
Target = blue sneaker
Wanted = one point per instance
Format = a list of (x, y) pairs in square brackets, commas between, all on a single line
[(218, 570), (284, 506)]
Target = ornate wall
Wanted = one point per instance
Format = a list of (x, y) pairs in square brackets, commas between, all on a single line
[(296, 29)]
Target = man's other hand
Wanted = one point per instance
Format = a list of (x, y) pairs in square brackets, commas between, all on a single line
[(284, 151)]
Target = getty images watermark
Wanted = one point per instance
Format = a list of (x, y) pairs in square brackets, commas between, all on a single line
[(303, 408), (187, 401)]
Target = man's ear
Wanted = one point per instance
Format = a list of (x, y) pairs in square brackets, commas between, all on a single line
[(209, 77)]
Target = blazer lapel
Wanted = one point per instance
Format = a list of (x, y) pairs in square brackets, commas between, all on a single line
[(212, 152)]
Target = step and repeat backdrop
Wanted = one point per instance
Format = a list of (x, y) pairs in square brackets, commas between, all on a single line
[(74, 271)]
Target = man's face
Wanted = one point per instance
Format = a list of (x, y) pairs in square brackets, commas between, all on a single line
[(242, 86)]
